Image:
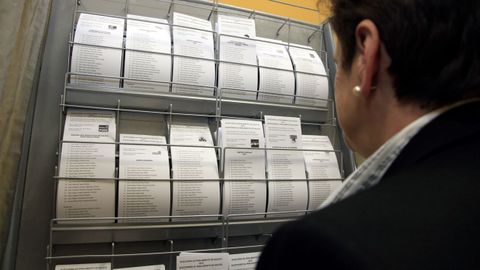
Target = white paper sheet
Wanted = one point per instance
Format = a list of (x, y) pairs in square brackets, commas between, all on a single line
[(272, 55), (194, 43), (84, 266), (238, 50), (90, 126), (285, 133), (102, 31), (307, 60), (147, 267), (191, 197), (205, 261), (87, 198), (243, 197), (143, 198), (244, 261), (320, 165), (153, 36)]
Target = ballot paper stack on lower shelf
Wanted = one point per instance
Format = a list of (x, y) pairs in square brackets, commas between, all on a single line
[(245, 160), (143, 155), (281, 135), (193, 196), (87, 156)]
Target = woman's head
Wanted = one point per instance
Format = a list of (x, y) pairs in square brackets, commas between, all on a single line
[(434, 45), (407, 57)]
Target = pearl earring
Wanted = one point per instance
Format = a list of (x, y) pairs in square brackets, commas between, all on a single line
[(356, 91)]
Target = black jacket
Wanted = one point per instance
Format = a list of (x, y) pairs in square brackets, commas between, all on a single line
[(423, 214)]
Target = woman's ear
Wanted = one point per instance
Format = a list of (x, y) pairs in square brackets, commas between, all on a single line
[(367, 41)]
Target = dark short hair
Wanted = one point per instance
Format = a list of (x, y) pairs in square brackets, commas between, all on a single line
[(433, 44)]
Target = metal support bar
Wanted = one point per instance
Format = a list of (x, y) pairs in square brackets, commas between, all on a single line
[(281, 26), (170, 263), (214, 9), (311, 36), (169, 13)]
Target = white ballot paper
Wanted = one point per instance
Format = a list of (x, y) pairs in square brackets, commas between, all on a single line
[(320, 165), (194, 43), (147, 267), (270, 55), (100, 61), (285, 133), (84, 266), (206, 261), (153, 35), (244, 261), (243, 197), (140, 161), (87, 198), (240, 50), (193, 196), (313, 82)]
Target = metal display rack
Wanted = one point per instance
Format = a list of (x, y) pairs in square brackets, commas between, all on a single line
[(142, 243)]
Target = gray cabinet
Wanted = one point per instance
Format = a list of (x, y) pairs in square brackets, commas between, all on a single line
[(42, 242)]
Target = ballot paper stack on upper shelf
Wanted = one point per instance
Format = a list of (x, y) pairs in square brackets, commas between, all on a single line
[(94, 31), (193, 61), (142, 156), (311, 77), (151, 35), (199, 193), (90, 156), (276, 72), (236, 44), (320, 164), (240, 196), (285, 133)]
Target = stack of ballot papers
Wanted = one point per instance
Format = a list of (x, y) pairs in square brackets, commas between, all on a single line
[(207, 261), (153, 36), (147, 267), (243, 261), (193, 61), (143, 155), (199, 193), (84, 266), (91, 155), (285, 133), (320, 164), (97, 31), (140, 161), (240, 196), (276, 71), (105, 266), (311, 78), (217, 261), (236, 45)]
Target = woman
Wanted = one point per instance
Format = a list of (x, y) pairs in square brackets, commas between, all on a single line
[(408, 98)]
